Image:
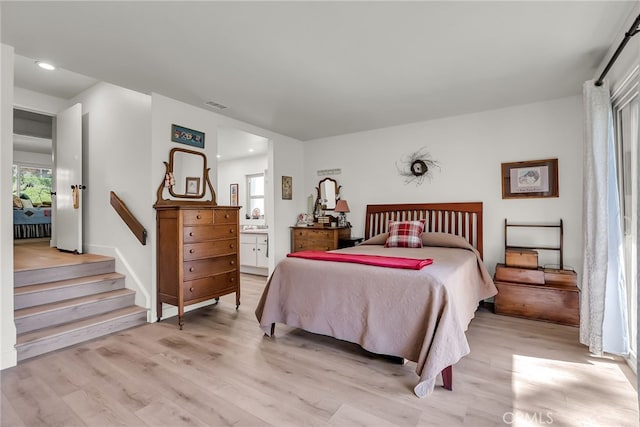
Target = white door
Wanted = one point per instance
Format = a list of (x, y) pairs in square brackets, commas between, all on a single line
[(68, 163)]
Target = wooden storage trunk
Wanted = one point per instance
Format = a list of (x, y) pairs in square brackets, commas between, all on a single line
[(560, 277), (552, 303), (522, 258), (519, 275)]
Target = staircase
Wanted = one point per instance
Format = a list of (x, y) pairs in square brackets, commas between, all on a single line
[(77, 300)]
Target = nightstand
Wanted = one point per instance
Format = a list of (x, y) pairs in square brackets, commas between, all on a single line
[(318, 238), (349, 242)]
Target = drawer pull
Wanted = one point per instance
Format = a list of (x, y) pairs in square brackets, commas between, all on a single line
[(231, 246), (191, 251), (232, 279), (191, 269), (226, 216), (231, 230), (191, 289), (191, 233), (198, 217), (232, 262)]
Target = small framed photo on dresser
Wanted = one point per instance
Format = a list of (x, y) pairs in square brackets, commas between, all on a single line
[(192, 185)]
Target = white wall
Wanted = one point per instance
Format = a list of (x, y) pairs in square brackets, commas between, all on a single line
[(116, 146), (470, 149), (235, 172), (7, 326), (29, 100)]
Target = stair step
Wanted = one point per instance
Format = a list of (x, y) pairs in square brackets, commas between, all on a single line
[(42, 341), (45, 293), (97, 265), (56, 313)]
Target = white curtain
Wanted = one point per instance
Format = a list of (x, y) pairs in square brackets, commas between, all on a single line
[(603, 316)]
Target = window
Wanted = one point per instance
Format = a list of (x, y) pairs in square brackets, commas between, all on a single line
[(255, 196), (33, 182), (626, 108)]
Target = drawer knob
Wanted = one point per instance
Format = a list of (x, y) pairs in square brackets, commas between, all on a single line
[(198, 217), (231, 246), (232, 279), (191, 251), (191, 233), (191, 289), (226, 216), (191, 269), (231, 230), (232, 262)]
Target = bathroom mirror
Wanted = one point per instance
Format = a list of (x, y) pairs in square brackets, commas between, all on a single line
[(328, 192), (187, 176)]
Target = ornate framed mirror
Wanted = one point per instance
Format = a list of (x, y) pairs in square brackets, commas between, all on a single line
[(328, 193), (187, 176)]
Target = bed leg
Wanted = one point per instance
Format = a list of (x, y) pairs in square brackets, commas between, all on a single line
[(273, 329), (447, 377)]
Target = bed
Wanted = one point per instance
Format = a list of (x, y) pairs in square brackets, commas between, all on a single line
[(29, 223), (419, 315)]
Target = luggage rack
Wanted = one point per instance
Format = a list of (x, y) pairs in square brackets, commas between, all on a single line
[(539, 247)]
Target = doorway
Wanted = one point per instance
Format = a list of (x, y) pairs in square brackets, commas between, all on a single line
[(33, 176)]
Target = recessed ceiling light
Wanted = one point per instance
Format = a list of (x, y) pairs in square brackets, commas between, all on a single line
[(45, 65), (218, 155), (251, 150)]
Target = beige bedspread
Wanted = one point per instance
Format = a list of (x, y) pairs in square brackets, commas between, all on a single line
[(418, 315)]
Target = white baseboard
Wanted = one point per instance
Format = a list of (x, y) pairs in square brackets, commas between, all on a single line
[(9, 358)]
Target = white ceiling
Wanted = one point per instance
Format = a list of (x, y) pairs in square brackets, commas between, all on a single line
[(316, 69)]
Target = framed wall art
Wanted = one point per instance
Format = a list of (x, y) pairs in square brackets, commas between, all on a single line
[(187, 136), (534, 178), (287, 188), (233, 195)]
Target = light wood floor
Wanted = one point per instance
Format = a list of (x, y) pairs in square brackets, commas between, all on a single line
[(220, 370), (33, 255)]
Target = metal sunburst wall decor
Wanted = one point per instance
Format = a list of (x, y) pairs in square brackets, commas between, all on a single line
[(417, 166)]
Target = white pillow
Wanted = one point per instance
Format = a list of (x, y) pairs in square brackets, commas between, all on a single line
[(26, 204)]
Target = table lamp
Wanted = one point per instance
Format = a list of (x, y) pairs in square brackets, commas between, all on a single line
[(342, 207)]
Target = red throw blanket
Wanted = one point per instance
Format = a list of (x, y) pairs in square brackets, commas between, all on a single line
[(377, 260)]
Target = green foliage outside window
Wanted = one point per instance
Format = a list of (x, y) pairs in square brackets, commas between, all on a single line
[(34, 182)]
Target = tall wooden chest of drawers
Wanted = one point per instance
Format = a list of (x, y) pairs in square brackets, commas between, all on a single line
[(197, 256), (317, 238)]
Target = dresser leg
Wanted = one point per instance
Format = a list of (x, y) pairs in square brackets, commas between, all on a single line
[(180, 322), (159, 310), (273, 329)]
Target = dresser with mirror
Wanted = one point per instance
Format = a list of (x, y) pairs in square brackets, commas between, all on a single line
[(197, 240)]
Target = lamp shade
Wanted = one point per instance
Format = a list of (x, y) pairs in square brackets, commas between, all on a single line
[(342, 206)]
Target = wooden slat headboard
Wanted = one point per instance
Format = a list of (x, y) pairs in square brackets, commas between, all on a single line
[(461, 219)]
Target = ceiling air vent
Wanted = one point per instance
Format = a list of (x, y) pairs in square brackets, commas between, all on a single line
[(214, 104)]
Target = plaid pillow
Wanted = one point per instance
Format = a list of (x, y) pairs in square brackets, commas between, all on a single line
[(405, 234)]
